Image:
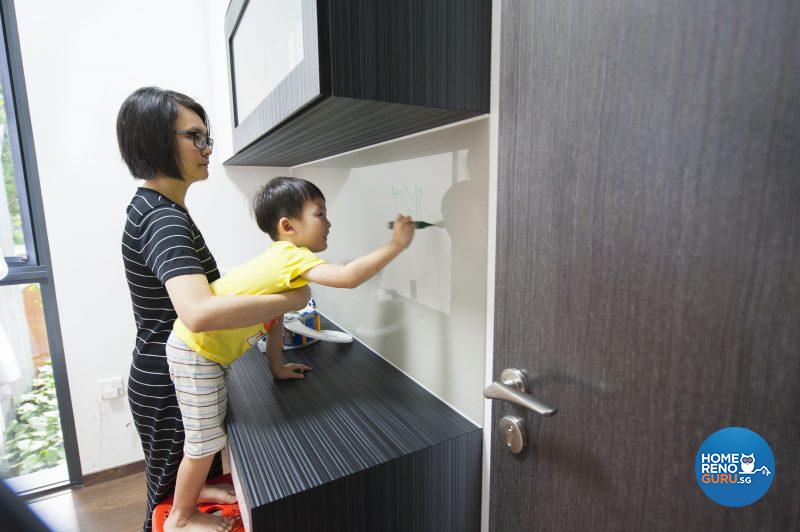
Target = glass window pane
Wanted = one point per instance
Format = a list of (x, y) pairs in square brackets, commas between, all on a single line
[(267, 45), (12, 238), (31, 443)]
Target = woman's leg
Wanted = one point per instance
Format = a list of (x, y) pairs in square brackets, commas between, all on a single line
[(151, 396), (216, 466)]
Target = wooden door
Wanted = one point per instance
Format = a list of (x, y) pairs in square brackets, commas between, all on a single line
[(648, 257)]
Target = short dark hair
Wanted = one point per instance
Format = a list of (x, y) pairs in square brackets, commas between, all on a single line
[(145, 131), (282, 197)]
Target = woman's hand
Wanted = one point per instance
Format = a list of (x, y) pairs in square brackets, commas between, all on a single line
[(200, 310), (290, 371), (298, 298)]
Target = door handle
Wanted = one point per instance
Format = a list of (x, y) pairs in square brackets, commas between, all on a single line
[(511, 388)]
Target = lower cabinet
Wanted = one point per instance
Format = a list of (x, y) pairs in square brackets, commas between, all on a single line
[(354, 446)]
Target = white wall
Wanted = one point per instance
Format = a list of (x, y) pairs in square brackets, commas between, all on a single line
[(81, 60), (426, 311)]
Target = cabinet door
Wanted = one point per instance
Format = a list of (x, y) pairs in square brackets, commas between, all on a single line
[(273, 61)]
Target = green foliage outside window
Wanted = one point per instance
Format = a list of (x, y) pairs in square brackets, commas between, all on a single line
[(8, 179), (33, 438)]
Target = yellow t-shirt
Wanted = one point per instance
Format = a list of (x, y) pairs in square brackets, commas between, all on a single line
[(277, 270)]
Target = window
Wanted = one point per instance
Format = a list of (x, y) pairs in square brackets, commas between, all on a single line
[(15, 237), (38, 446)]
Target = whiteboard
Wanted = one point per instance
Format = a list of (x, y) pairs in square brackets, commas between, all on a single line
[(369, 198), (425, 312)]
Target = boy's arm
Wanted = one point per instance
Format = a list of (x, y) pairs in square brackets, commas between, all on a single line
[(280, 370), (363, 268)]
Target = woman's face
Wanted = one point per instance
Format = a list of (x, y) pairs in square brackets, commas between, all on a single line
[(194, 162)]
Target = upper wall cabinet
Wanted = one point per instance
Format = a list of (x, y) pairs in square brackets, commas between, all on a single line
[(315, 78)]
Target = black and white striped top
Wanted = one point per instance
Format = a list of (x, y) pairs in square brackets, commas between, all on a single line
[(160, 241)]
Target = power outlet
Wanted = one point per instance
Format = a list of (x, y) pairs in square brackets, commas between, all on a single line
[(110, 388)]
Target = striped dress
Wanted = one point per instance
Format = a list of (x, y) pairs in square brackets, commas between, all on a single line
[(160, 241)]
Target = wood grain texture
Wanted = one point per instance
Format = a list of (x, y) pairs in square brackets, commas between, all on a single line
[(648, 216), (385, 69), (117, 505), (429, 53), (113, 473), (356, 445), (336, 125)]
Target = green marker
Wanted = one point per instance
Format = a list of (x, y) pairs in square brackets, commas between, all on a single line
[(417, 225)]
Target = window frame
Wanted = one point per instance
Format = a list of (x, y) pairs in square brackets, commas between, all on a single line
[(17, 161), (38, 267)]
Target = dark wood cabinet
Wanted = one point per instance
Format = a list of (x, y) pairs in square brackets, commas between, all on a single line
[(355, 446), (357, 72)]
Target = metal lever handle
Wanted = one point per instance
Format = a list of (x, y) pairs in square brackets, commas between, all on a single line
[(504, 392)]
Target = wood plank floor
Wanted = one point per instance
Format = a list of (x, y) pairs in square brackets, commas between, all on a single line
[(115, 505)]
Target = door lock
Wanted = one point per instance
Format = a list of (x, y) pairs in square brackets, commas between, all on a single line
[(512, 429), (513, 387)]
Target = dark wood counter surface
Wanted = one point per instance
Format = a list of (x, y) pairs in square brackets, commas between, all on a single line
[(356, 445)]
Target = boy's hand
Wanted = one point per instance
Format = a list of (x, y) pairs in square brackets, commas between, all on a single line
[(403, 231), (290, 371)]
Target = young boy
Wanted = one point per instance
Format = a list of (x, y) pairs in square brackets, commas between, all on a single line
[(292, 211)]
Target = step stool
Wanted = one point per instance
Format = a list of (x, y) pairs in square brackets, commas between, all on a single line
[(231, 511)]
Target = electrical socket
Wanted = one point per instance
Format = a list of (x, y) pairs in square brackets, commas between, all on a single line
[(110, 388)]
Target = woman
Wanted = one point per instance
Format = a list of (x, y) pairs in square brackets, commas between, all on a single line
[(163, 137)]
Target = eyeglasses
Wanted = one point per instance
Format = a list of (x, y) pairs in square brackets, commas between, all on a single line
[(201, 140)]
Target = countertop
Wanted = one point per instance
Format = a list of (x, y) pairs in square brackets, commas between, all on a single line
[(352, 412)]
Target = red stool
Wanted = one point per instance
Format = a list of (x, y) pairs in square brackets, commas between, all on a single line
[(231, 511)]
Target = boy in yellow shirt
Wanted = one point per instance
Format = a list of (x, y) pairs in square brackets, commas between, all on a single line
[(292, 211)]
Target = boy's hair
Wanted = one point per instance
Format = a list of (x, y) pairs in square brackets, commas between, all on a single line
[(146, 131), (282, 197)]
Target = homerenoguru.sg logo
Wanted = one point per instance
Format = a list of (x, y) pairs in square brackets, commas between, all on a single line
[(735, 467)]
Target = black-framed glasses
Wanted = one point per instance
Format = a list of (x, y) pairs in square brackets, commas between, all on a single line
[(201, 140)]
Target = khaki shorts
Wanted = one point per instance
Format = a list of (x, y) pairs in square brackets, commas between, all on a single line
[(201, 387)]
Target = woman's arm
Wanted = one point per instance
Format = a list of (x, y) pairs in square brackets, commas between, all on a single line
[(200, 310)]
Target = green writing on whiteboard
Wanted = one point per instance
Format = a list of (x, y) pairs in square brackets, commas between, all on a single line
[(408, 200)]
